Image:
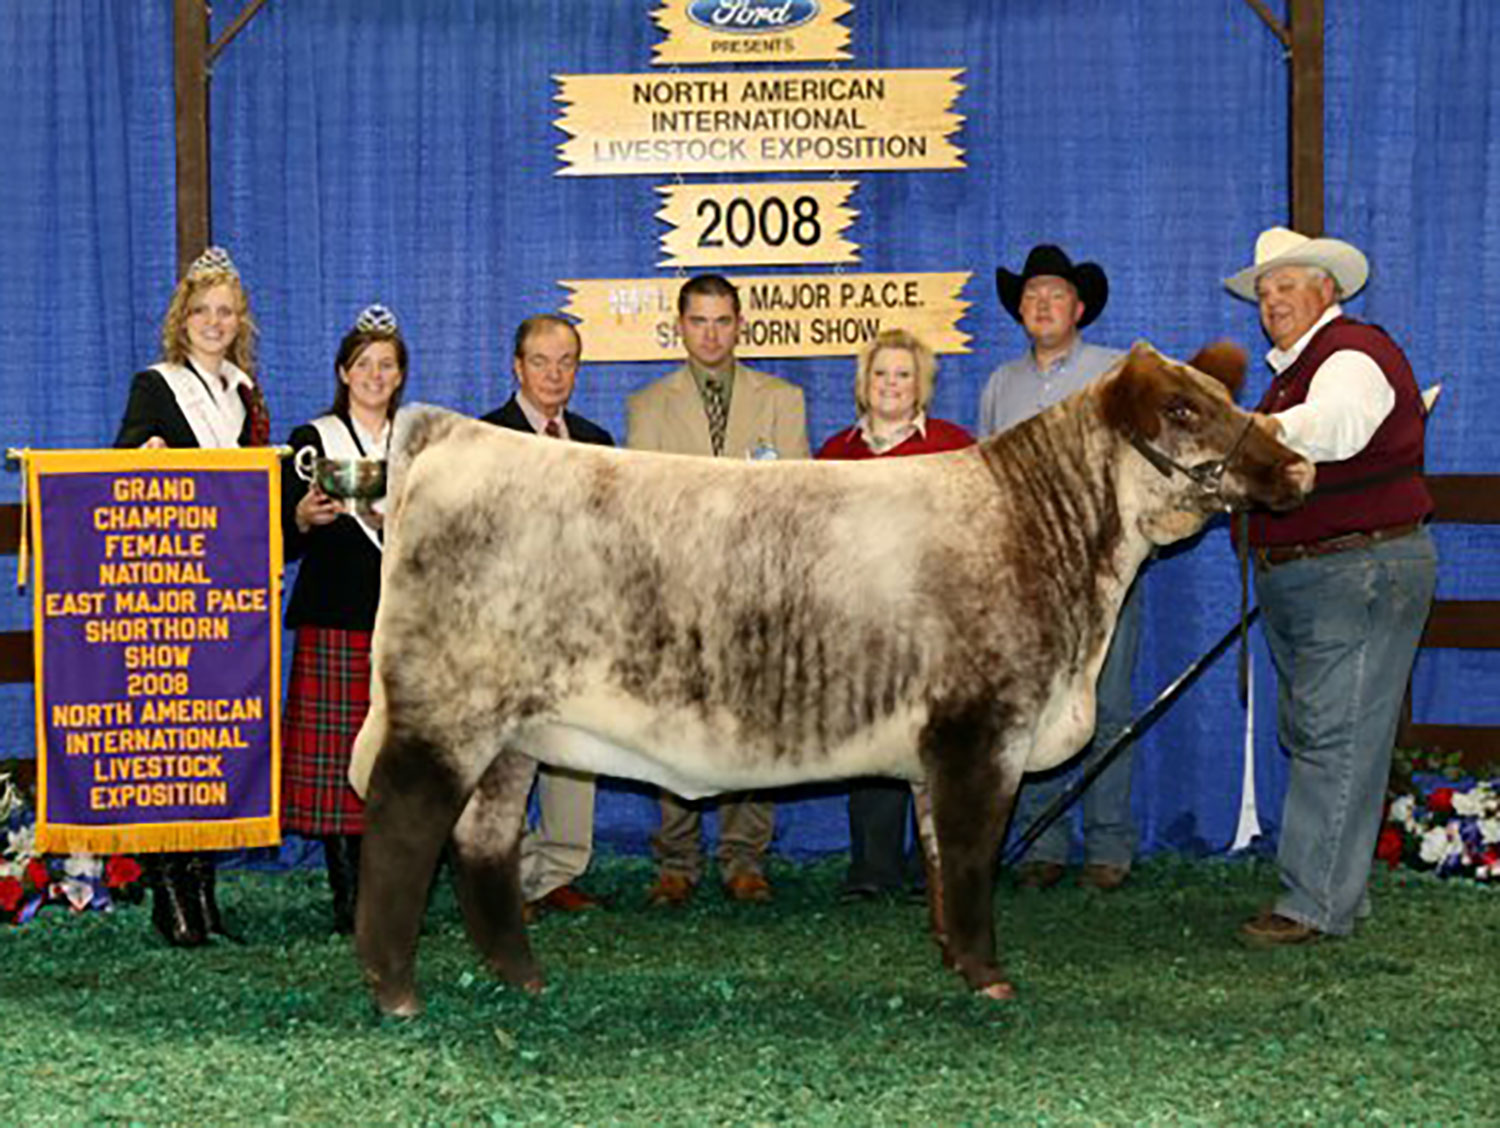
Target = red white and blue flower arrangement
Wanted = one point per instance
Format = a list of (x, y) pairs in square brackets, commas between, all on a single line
[(29, 881), (1451, 828)]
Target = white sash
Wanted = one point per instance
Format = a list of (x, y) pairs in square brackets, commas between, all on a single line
[(338, 442), (214, 412)]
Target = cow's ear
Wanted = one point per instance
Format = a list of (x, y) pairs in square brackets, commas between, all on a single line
[(1225, 361), (1128, 401)]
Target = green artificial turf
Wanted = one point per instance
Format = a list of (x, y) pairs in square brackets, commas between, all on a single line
[(1136, 1008)]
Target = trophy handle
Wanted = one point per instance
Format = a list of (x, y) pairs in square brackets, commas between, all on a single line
[(303, 462)]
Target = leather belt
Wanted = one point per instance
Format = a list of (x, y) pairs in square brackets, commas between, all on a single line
[(1269, 556)]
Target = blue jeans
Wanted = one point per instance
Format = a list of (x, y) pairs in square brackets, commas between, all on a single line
[(1343, 631), (1108, 829)]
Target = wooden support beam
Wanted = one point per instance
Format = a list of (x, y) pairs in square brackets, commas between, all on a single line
[(238, 25), (190, 64), (1307, 115), (1277, 27)]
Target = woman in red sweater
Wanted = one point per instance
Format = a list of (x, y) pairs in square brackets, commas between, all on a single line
[(892, 388)]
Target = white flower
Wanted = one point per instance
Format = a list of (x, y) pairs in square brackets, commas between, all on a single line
[(1489, 830), (23, 843), (10, 797), (1401, 811), (1437, 844), (83, 865), (1470, 803), (9, 868)]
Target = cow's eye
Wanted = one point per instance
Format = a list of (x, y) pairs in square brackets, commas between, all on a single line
[(1180, 411)]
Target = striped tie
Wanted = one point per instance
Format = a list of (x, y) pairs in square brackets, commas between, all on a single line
[(718, 414)]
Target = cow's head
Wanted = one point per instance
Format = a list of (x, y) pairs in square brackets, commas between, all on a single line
[(1205, 453)]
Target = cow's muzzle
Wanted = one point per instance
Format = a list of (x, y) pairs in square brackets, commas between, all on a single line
[(1208, 475)]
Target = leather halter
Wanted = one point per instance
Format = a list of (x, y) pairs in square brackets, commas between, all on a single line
[(1208, 476)]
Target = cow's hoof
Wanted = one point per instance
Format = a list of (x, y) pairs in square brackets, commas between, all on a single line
[(1001, 992), (398, 1006)]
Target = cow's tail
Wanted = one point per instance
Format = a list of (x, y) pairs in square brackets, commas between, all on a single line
[(371, 737)]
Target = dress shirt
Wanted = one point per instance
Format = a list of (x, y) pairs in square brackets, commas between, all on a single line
[(724, 379), (371, 445), (539, 419), (1347, 400), (1018, 389)]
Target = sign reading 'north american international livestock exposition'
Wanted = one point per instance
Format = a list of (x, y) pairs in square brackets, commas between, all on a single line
[(759, 121), (157, 627)]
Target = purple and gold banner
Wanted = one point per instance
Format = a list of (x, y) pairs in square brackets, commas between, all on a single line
[(158, 632)]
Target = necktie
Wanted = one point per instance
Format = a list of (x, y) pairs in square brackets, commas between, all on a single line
[(718, 413), (552, 430)]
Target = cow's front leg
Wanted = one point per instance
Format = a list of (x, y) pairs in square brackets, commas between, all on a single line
[(415, 796), (487, 843), (971, 796)]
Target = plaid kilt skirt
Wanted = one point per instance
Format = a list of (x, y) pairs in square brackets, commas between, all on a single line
[(325, 704)]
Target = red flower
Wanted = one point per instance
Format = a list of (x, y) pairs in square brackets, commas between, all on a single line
[(37, 874), (10, 894), (120, 870), (1388, 849), (1441, 800)]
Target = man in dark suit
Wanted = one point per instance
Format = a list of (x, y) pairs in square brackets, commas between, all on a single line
[(556, 851)]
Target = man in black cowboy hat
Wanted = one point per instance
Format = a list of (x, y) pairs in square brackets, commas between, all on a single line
[(1053, 298)]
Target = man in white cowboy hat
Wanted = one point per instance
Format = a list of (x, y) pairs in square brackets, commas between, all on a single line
[(1344, 582), (1053, 298)]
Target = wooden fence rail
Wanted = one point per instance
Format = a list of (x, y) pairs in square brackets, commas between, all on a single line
[(1460, 624)]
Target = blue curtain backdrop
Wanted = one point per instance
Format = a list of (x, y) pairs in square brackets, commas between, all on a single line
[(404, 151)]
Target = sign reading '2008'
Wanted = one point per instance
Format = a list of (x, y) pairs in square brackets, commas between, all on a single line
[(765, 223)]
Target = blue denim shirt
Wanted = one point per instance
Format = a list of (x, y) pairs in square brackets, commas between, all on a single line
[(1018, 389)]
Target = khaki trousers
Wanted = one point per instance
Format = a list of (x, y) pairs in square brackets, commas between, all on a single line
[(557, 849), (745, 826)]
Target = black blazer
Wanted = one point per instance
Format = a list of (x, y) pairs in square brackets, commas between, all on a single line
[(509, 414), (338, 584), (152, 410)]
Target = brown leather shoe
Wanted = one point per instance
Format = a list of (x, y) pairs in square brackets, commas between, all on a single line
[(1039, 875), (1103, 876), (752, 888), (670, 891), (564, 899), (1272, 930)]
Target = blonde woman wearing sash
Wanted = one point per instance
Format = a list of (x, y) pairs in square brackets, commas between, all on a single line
[(332, 608), (202, 394)]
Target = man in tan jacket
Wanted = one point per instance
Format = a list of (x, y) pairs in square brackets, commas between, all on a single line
[(715, 406)]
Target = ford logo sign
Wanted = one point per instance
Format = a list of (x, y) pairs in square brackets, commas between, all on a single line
[(751, 16)]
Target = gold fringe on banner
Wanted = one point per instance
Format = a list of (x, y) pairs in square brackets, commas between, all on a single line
[(145, 838)]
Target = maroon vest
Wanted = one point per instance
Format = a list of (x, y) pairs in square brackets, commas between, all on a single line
[(1380, 486)]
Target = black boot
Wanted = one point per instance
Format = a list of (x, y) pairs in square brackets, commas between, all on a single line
[(174, 910), (341, 856), (204, 877)]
